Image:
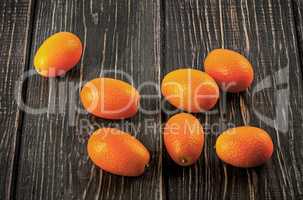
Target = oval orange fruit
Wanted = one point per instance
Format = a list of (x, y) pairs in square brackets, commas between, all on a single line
[(184, 138), (117, 152), (110, 98), (191, 90), (58, 54), (244, 146), (232, 71)]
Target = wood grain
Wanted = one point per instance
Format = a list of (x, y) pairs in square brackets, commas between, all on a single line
[(263, 31), (298, 15), (15, 26), (117, 36), (43, 152)]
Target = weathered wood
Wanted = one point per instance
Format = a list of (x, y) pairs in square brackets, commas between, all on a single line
[(126, 36), (118, 36), (264, 32), (298, 14), (15, 29)]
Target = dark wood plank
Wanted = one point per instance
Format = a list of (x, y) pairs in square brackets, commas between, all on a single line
[(263, 31), (298, 14), (15, 23), (117, 36)]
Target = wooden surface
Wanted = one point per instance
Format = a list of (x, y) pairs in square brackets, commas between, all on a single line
[(117, 37), (15, 37), (43, 155), (258, 30)]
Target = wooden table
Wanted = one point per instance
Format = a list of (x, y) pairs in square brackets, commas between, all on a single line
[(43, 145)]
